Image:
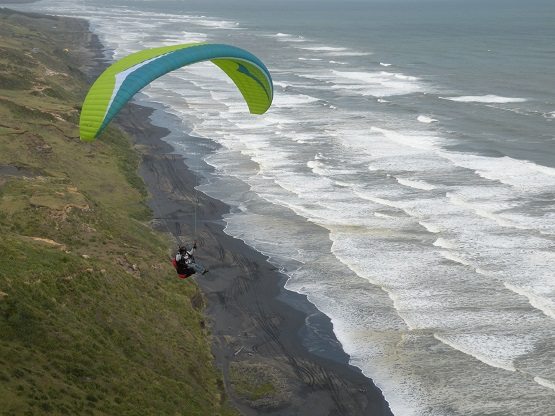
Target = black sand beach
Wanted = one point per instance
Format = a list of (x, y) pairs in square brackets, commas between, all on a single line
[(253, 324)]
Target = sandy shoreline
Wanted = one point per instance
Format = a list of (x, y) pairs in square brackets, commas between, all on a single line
[(249, 322), (254, 326)]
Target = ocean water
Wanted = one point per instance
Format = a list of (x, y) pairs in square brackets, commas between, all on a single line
[(404, 178)]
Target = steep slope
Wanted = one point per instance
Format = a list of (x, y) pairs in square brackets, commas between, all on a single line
[(92, 319)]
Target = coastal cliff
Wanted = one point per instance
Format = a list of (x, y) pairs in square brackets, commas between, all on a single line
[(92, 320)]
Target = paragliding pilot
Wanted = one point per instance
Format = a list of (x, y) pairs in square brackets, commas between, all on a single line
[(185, 264)]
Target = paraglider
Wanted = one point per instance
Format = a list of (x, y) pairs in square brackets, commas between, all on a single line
[(185, 264), (119, 82)]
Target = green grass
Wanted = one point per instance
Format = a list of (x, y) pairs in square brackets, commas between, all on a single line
[(92, 318), (253, 382)]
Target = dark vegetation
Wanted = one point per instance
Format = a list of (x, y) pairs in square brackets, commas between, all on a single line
[(92, 318)]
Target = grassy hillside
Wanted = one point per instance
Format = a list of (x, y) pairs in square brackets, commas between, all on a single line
[(92, 318)]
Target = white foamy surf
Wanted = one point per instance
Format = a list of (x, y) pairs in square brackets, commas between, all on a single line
[(489, 99), (546, 305), (499, 356), (426, 119), (416, 184), (545, 383)]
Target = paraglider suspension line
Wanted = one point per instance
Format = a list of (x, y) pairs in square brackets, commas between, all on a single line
[(196, 205)]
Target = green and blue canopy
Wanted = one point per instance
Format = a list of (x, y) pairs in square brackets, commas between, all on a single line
[(119, 82)]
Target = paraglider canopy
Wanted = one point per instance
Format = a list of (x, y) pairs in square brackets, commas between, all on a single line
[(117, 84)]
